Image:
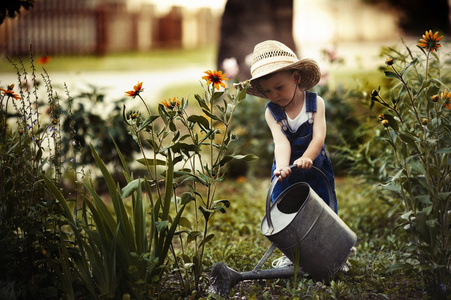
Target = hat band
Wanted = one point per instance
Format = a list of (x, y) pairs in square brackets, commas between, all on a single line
[(280, 59)]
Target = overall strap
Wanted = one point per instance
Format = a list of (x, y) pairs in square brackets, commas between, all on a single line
[(310, 107), (277, 111)]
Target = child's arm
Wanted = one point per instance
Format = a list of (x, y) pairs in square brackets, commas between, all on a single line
[(318, 138), (282, 148)]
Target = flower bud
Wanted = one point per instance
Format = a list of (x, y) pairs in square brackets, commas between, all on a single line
[(375, 93), (389, 61), (385, 123), (424, 122), (435, 98), (381, 117)]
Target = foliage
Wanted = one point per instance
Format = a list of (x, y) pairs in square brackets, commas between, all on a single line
[(125, 251), (198, 145), (12, 8), (28, 219), (416, 167), (87, 120)]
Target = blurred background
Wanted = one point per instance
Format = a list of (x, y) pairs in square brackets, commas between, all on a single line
[(101, 48)]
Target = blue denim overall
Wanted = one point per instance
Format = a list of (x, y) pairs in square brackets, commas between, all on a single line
[(299, 142)]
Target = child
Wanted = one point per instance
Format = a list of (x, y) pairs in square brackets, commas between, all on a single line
[(295, 117)]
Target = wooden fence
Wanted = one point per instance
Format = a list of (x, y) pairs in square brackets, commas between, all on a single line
[(75, 27)]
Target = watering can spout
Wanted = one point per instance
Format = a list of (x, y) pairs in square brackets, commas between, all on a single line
[(225, 278)]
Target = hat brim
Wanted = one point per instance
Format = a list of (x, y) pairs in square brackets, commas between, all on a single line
[(309, 69)]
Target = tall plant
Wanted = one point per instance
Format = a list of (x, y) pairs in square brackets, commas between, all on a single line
[(29, 146), (195, 148), (136, 245), (417, 124)]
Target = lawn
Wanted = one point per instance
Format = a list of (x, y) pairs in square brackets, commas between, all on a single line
[(240, 245)]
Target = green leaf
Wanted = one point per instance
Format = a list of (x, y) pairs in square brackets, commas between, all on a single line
[(206, 212), (408, 66), (399, 267), (147, 121), (444, 150), (201, 120), (161, 225), (187, 198), (214, 117), (390, 74), (131, 187), (185, 222), (207, 239), (178, 147), (201, 102), (151, 162), (192, 236), (410, 140)]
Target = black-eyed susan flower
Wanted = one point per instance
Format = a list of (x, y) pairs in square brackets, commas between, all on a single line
[(430, 41), (446, 96), (435, 98), (171, 103), (216, 78), (10, 93), (137, 88), (43, 60)]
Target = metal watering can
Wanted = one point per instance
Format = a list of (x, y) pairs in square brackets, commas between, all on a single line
[(305, 229)]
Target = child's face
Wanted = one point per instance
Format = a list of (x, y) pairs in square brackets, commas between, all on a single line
[(279, 88)]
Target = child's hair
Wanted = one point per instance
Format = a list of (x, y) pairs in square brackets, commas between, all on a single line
[(256, 82)]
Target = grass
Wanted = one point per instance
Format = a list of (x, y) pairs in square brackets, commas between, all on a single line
[(153, 60), (240, 245)]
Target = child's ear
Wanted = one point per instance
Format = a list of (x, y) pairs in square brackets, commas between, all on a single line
[(297, 76)]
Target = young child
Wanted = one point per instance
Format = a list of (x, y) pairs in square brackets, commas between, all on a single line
[(295, 116)]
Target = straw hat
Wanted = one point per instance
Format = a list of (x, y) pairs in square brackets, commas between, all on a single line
[(272, 56)]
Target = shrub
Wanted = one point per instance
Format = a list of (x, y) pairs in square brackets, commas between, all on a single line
[(416, 168)]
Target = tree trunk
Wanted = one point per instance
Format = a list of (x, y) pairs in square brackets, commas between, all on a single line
[(246, 23)]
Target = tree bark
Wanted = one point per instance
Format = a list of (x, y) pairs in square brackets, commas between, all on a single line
[(246, 23)]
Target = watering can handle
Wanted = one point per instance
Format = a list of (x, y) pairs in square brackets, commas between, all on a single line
[(276, 179)]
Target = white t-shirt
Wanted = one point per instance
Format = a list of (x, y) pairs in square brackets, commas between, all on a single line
[(300, 118)]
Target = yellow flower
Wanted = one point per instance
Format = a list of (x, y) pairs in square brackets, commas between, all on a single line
[(43, 60), (385, 123), (137, 88), (446, 96), (430, 41), (171, 103), (216, 78), (435, 98), (10, 93)]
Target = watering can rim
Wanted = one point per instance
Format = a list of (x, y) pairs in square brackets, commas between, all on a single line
[(273, 184)]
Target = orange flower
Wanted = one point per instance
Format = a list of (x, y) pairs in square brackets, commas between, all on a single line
[(171, 103), (430, 41), (43, 60), (215, 78), (136, 90), (446, 96), (9, 92)]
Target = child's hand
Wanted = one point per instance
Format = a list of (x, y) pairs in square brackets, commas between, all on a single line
[(304, 163), (283, 173)]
